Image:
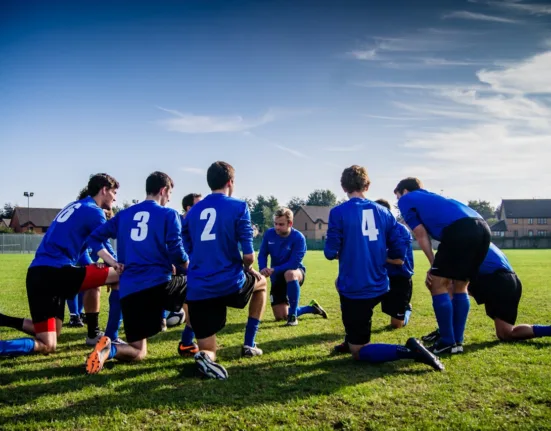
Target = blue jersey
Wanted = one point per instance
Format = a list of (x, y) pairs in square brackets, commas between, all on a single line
[(433, 211), (149, 242), (361, 235), (212, 231), (285, 252), (65, 240), (405, 270), (495, 261)]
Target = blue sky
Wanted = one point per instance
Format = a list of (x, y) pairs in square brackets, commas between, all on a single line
[(457, 93)]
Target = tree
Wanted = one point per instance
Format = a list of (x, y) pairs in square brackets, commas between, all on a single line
[(322, 198), (263, 211), (484, 208), (8, 210), (295, 203)]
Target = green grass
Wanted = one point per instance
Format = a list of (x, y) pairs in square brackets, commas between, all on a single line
[(296, 384)]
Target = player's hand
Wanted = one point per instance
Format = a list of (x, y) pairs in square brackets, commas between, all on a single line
[(119, 267), (173, 270), (100, 265), (428, 280), (257, 275)]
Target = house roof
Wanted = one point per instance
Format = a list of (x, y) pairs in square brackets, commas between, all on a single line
[(527, 208), (317, 213), (5, 221), (500, 226), (41, 217)]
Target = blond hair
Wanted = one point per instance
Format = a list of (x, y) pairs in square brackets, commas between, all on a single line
[(284, 212)]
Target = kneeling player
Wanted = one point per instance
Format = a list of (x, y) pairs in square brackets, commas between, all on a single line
[(149, 241), (287, 248), (499, 289), (361, 235), (397, 302), (52, 277)]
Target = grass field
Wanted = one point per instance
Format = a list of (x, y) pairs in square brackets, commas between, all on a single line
[(297, 383)]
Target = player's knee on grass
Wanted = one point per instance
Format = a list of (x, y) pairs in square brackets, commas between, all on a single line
[(504, 330), (280, 311), (396, 324), (140, 350), (355, 351)]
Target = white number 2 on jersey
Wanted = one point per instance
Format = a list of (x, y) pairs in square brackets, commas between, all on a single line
[(208, 214), (369, 228), (139, 233)]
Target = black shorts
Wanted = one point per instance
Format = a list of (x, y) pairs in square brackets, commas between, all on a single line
[(278, 290), (462, 250), (396, 301), (48, 288), (356, 318), (500, 292), (208, 316), (142, 312)]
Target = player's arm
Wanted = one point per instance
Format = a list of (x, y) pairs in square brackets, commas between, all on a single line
[(245, 237), (100, 236), (396, 243), (422, 237), (263, 256), (395, 261), (173, 238), (334, 236), (186, 235), (298, 252)]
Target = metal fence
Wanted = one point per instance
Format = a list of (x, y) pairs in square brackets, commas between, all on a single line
[(28, 243)]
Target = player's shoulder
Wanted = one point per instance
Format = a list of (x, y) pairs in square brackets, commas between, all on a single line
[(297, 235)]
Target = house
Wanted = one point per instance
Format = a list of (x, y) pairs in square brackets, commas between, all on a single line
[(312, 221), (36, 220), (5, 223), (523, 218)]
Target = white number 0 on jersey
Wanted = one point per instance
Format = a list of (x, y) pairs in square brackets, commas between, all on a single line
[(139, 233), (208, 214), (369, 228)]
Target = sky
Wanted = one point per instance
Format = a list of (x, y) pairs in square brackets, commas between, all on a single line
[(456, 93)]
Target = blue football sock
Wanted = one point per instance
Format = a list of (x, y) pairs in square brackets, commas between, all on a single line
[(443, 310), (115, 315), (251, 330), (541, 331), (81, 302), (307, 309), (18, 347), (112, 352), (461, 306), (377, 353), (187, 336), (73, 305), (293, 293)]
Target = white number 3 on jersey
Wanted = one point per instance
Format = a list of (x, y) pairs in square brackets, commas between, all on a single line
[(369, 228), (208, 214), (139, 233)]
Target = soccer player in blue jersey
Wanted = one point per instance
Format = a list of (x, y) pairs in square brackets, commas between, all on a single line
[(218, 276), (287, 247), (149, 243), (464, 240), (499, 289), (362, 235), (53, 277), (397, 302)]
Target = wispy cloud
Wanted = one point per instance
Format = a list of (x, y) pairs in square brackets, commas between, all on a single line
[(463, 14), (291, 151), (369, 54), (196, 171), (342, 149), (191, 123), (530, 8), (391, 118)]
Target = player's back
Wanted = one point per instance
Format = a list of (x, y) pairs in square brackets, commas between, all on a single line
[(212, 231), (495, 260), (434, 211), (148, 243), (64, 242), (366, 230)]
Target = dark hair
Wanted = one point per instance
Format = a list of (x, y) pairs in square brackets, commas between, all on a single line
[(355, 179), (383, 202), (188, 200), (218, 175), (156, 181), (96, 183), (410, 184)]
